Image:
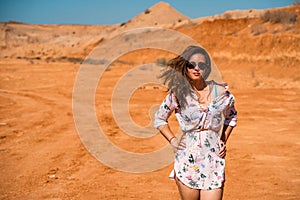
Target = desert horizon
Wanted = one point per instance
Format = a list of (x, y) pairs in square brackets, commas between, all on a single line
[(43, 156)]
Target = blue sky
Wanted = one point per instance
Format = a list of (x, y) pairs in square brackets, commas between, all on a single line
[(116, 11)]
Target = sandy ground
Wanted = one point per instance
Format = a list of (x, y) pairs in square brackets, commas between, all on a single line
[(43, 157)]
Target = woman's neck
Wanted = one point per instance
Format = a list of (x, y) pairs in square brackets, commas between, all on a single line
[(199, 85)]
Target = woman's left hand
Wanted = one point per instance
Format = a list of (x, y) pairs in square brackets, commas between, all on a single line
[(222, 152)]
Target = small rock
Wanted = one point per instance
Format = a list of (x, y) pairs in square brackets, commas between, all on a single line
[(52, 176)]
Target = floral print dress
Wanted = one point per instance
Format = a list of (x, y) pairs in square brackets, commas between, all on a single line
[(198, 166)]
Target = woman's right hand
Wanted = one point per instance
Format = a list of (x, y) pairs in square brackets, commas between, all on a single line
[(182, 143), (178, 145), (174, 143)]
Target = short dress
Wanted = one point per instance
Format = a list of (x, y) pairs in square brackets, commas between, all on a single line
[(198, 166)]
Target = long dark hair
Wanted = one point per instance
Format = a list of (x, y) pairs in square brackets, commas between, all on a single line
[(176, 75)]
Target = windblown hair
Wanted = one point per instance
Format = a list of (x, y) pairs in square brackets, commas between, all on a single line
[(176, 75)]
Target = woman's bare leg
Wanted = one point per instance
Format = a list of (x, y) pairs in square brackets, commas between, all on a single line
[(187, 193), (215, 194)]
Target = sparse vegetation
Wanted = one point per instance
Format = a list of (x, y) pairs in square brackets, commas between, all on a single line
[(52, 59), (296, 3), (72, 59), (129, 37), (147, 11), (8, 29), (280, 16), (94, 61), (257, 29), (256, 83), (227, 16), (161, 62), (286, 27)]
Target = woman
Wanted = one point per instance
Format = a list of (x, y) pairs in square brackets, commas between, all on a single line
[(199, 105)]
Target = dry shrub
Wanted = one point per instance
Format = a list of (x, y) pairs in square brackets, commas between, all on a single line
[(280, 16), (161, 61), (147, 11), (257, 29), (296, 3), (227, 16)]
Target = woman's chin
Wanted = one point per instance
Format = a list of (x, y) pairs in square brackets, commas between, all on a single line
[(197, 78)]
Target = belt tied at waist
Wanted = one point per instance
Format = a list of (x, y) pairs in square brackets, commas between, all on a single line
[(197, 130)]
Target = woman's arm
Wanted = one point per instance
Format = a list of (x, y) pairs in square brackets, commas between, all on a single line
[(230, 115), (226, 132), (224, 137), (172, 139), (161, 120), (166, 132)]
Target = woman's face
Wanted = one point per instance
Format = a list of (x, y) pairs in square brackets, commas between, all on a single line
[(197, 67)]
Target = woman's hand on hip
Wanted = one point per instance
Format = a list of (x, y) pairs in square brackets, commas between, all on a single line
[(222, 152), (177, 145)]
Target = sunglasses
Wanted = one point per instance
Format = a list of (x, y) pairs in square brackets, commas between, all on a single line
[(201, 65)]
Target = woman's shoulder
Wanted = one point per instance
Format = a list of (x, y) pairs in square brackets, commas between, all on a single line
[(172, 97), (221, 89), (218, 88), (218, 84)]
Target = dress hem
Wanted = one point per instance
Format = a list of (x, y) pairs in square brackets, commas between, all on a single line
[(173, 175)]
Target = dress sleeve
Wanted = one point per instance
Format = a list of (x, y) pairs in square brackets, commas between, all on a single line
[(230, 112), (165, 110)]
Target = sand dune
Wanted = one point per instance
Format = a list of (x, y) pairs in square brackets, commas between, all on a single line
[(44, 158), (161, 14)]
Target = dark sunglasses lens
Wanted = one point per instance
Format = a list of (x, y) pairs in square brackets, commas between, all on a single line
[(201, 66), (191, 65)]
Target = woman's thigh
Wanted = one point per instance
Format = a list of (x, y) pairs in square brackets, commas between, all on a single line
[(215, 194), (187, 193)]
